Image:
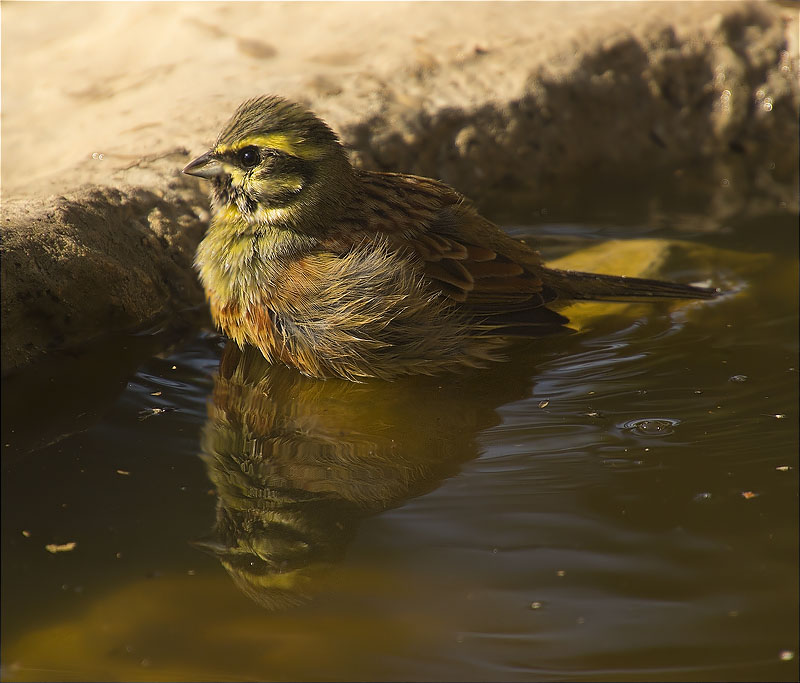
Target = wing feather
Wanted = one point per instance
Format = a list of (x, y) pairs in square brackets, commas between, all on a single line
[(492, 277)]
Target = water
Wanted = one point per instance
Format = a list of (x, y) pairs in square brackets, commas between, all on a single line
[(620, 503)]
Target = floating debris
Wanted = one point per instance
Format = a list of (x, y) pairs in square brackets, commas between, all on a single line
[(544, 404), (747, 495), (150, 412)]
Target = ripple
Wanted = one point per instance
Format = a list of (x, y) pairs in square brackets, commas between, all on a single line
[(650, 426)]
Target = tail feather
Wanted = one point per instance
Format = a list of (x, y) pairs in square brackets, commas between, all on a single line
[(595, 287)]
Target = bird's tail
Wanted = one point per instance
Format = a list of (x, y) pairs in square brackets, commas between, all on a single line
[(571, 284)]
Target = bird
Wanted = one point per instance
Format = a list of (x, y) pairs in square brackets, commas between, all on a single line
[(342, 272)]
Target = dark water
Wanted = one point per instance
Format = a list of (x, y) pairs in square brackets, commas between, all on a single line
[(617, 504)]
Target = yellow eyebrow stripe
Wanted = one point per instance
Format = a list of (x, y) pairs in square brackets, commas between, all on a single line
[(290, 144)]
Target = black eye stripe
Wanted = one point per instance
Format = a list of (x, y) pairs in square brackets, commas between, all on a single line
[(235, 156), (277, 153), (288, 164)]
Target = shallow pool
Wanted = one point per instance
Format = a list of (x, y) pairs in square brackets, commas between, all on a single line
[(620, 503)]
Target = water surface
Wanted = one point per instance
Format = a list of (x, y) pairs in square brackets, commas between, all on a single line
[(616, 504)]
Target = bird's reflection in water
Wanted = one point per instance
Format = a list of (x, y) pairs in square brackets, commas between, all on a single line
[(297, 462)]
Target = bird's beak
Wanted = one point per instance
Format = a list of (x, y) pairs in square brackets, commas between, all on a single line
[(209, 545), (205, 166)]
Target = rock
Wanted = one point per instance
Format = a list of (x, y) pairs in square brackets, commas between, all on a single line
[(93, 261)]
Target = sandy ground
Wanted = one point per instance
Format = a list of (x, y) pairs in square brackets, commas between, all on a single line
[(484, 95), (141, 80)]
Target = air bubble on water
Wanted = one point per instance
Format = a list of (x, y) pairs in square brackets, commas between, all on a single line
[(650, 426)]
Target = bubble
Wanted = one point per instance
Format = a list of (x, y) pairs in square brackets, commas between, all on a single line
[(650, 426)]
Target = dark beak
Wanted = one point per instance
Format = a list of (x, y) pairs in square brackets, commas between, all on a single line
[(209, 545), (205, 166)]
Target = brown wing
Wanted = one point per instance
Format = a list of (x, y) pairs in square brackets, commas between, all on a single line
[(467, 258)]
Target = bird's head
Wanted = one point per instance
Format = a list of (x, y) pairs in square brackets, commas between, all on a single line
[(275, 163)]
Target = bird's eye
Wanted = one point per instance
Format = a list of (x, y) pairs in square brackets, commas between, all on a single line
[(249, 156)]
